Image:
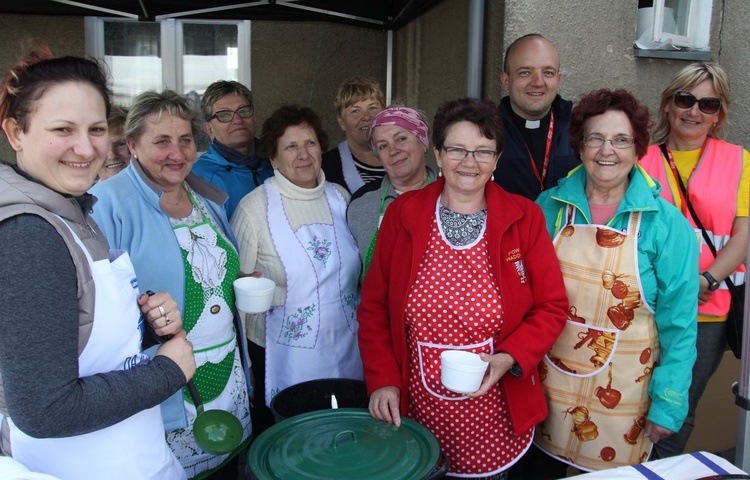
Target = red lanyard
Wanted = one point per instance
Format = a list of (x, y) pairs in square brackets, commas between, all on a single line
[(676, 174), (547, 150)]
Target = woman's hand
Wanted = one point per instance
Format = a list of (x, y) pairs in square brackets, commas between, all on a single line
[(500, 363), (385, 405), (655, 433), (180, 351), (703, 294), (161, 312)]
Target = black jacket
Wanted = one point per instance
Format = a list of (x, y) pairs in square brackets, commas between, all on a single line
[(514, 171)]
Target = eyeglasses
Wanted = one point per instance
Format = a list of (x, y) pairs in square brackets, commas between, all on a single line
[(458, 154), (596, 141), (707, 105), (226, 116)]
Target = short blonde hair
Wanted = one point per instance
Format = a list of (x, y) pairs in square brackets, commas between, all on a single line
[(167, 101), (356, 90), (687, 79)]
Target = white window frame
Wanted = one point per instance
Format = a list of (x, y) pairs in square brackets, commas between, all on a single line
[(698, 25), (172, 46)]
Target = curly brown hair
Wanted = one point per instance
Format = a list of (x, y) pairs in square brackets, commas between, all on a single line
[(603, 100)]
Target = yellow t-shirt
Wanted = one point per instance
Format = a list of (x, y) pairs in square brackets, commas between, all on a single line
[(685, 161)]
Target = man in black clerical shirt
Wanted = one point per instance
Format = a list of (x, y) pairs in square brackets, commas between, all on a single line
[(537, 151)]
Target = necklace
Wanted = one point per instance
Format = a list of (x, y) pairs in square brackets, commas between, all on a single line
[(179, 198)]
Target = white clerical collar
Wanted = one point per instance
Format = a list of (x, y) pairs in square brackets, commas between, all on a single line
[(533, 124)]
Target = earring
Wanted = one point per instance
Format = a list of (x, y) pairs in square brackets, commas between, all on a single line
[(492, 177), (440, 172)]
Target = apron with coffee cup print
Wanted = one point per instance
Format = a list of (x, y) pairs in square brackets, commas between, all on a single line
[(596, 375), (314, 333), (455, 304)]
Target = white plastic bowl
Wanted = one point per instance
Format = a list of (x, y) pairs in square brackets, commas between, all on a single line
[(253, 295), (461, 371)]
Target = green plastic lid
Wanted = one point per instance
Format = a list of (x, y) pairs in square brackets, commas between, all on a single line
[(343, 444)]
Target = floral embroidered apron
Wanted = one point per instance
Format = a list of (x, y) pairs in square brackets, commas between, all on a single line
[(455, 304), (134, 447), (596, 376), (211, 265), (314, 333)]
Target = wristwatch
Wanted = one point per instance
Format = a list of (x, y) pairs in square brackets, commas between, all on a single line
[(515, 370), (713, 285)]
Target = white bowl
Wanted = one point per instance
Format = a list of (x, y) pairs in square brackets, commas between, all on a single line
[(461, 371), (253, 294)]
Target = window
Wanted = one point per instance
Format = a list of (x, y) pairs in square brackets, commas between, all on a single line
[(184, 55), (677, 26)]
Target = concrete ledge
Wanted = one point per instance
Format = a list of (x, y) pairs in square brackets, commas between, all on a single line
[(694, 55)]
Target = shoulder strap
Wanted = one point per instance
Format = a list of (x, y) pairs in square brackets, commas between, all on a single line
[(697, 220)]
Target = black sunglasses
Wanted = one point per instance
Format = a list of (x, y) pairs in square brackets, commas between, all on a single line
[(707, 105)]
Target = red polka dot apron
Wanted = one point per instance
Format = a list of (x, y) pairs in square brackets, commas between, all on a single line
[(455, 304), (596, 376)]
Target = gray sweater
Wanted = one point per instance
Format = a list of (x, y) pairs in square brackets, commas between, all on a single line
[(39, 333), (363, 214)]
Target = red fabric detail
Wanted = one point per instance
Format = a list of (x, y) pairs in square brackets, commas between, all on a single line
[(455, 301), (534, 314)]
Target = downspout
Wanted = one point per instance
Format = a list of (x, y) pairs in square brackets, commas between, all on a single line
[(389, 70), (474, 49)]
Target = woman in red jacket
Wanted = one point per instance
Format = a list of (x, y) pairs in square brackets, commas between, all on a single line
[(462, 265)]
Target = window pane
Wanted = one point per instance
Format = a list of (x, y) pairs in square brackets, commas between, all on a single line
[(676, 17), (210, 54), (133, 52)]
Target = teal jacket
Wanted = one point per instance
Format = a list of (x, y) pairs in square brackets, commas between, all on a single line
[(668, 266)]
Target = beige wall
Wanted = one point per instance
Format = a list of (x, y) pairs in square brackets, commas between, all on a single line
[(64, 36), (430, 59), (598, 52), (305, 62)]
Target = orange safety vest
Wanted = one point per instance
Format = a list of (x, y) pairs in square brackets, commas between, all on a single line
[(713, 190)]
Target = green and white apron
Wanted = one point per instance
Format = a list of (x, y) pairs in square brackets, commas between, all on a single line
[(211, 265)]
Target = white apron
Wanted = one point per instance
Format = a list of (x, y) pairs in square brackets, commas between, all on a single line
[(135, 447), (351, 176), (314, 333)]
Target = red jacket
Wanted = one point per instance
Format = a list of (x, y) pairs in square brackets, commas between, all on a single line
[(535, 310)]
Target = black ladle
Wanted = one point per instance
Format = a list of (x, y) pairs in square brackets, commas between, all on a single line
[(217, 432)]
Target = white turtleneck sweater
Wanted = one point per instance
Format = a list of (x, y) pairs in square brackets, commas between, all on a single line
[(303, 206)]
